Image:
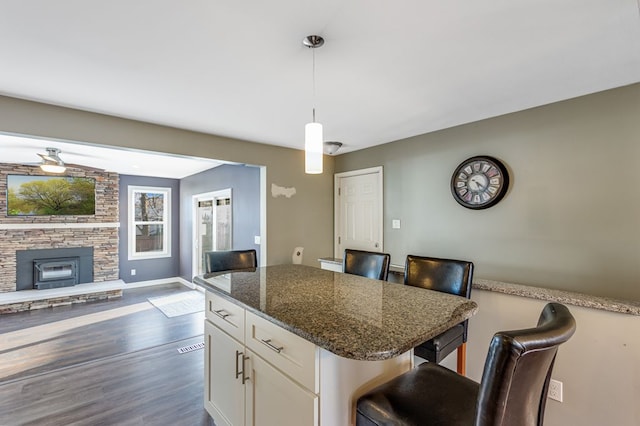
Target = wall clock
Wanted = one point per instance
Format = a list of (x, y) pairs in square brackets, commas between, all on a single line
[(479, 182)]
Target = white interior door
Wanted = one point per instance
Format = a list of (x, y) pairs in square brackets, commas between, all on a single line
[(358, 216)]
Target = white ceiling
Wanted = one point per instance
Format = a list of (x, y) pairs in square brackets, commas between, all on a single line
[(21, 150), (389, 69)]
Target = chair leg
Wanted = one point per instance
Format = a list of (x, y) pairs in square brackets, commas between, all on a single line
[(462, 359)]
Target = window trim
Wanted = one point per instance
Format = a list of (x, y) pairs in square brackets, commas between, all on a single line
[(166, 223)]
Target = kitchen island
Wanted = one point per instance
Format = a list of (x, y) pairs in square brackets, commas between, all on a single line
[(293, 344)]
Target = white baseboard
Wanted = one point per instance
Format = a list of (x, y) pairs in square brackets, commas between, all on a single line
[(160, 281)]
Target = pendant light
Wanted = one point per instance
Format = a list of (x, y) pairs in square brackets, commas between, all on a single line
[(313, 131)]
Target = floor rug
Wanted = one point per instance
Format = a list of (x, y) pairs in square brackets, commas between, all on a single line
[(184, 303)]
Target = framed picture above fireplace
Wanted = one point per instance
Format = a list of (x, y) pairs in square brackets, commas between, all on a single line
[(50, 195)]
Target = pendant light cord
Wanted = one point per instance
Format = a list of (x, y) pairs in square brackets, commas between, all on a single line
[(313, 78)]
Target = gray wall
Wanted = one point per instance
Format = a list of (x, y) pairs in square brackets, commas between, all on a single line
[(244, 182), (149, 269), (305, 219), (571, 218)]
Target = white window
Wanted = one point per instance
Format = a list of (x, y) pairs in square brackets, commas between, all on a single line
[(149, 222)]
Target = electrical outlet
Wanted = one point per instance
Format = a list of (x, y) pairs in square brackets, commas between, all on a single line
[(133, 272), (555, 390)]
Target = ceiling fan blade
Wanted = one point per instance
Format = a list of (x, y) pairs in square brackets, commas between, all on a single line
[(81, 166), (46, 157)]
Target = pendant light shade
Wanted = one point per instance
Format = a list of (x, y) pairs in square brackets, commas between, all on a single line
[(313, 148), (313, 143)]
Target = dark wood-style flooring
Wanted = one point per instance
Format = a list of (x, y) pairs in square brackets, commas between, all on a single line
[(103, 363)]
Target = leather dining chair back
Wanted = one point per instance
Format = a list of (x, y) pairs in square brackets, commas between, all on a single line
[(448, 276), (229, 260), (366, 264), (517, 371), (512, 392)]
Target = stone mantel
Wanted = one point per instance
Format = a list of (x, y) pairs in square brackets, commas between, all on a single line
[(65, 225)]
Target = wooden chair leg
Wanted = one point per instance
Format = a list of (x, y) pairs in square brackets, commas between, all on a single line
[(462, 359)]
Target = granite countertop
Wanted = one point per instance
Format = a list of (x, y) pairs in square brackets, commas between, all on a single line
[(560, 296), (540, 293), (351, 316)]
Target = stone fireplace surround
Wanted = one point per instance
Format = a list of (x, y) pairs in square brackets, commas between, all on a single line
[(99, 231)]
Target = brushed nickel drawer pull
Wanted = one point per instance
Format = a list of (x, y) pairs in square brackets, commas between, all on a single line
[(238, 372), (220, 313), (271, 345), (244, 378)]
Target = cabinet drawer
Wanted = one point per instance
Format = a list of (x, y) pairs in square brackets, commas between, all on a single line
[(291, 354), (226, 315)]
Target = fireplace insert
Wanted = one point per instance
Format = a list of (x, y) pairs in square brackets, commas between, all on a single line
[(56, 272), (27, 275)]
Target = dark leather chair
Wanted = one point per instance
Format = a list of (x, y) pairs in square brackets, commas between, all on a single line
[(448, 276), (229, 260), (513, 390), (366, 264)]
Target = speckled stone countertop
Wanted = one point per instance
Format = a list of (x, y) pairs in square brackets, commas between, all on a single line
[(349, 315), (560, 296)]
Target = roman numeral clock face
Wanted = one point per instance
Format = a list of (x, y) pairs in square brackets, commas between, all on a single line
[(479, 182)]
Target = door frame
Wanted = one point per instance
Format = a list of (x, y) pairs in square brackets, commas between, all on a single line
[(336, 204), (223, 193)]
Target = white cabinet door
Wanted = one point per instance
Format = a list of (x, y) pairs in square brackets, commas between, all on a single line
[(275, 400), (224, 393)]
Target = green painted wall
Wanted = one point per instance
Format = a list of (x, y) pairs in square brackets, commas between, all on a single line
[(571, 218), (306, 219)]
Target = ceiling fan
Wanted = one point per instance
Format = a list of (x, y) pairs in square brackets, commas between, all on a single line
[(51, 162)]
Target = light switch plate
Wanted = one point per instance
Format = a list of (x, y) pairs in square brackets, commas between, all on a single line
[(395, 224), (256, 239)]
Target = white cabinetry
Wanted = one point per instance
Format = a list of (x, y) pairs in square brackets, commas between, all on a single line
[(284, 350), (276, 400), (259, 374), (259, 387), (330, 265), (224, 391)]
